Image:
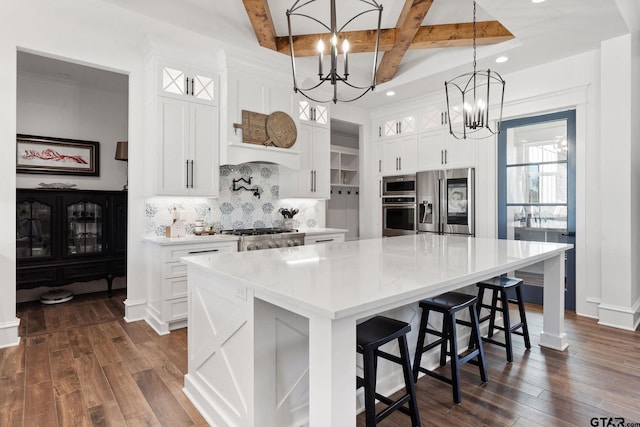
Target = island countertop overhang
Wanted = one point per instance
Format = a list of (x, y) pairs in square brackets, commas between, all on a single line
[(360, 278)]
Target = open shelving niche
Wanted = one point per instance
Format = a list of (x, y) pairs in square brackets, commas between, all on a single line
[(344, 166)]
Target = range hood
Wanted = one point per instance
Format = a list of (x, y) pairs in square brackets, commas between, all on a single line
[(235, 154)]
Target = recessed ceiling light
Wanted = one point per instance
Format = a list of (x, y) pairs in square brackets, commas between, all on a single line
[(501, 59), (537, 1), (390, 93)]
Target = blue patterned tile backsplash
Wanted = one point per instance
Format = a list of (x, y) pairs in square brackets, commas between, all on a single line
[(234, 209)]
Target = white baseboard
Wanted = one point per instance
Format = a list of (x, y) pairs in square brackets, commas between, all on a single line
[(135, 310), (627, 318), (9, 335), (153, 319)]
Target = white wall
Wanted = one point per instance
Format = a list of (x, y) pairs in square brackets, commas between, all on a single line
[(90, 33), (48, 107)]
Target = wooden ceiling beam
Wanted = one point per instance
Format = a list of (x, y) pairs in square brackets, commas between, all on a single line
[(455, 35), (428, 36), (407, 27), (262, 23), (394, 42), (359, 41)]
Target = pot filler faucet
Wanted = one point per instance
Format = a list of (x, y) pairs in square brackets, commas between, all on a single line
[(255, 190)]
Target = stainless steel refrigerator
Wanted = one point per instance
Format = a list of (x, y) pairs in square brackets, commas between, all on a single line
[(446, 201)]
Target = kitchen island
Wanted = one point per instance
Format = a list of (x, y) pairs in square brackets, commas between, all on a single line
[(272, 330)]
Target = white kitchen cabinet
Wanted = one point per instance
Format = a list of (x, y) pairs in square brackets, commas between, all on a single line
[(183, 82), (168, 290), (376, 197), (316, 238), (435, 116), (312, 180), (438, 149), (313, 113), (189, 139), (399, 156), (397, 125)]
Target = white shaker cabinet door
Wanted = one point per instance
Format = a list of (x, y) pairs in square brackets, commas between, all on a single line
[(321, 162), (174, 140), (189, 148), (203, 151), (430, 150)]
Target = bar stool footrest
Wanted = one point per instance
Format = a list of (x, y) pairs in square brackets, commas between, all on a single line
[(392, 406)]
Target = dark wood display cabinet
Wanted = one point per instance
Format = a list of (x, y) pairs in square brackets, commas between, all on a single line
[(68, 236)]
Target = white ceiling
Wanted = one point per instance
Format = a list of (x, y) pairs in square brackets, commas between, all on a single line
[(543, 32)]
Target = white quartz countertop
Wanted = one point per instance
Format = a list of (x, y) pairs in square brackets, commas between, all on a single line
[(367, 276), (191, 238)]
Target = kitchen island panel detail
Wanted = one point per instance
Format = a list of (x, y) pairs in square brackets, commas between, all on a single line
[(221, 331), (333, 287)]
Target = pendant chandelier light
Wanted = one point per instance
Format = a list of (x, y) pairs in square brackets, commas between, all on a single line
[(338, 53), (471, 93)]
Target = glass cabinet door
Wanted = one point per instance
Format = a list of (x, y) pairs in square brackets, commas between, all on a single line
[(84, 228), (33, 229)]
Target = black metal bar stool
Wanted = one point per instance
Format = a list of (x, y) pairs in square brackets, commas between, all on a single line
[(371, 335), (500, 287), (449, 304)]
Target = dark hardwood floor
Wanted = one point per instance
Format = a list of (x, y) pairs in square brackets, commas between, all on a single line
[(80, 364)]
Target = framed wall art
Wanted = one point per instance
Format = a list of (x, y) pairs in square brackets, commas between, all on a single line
[(57, 156)]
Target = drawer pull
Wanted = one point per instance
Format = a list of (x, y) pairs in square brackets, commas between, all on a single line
[(324, 240), (203, 251)]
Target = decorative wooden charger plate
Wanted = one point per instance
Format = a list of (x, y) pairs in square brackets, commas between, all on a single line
[(281, 130)]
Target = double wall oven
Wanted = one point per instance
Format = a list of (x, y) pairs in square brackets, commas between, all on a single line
[(398, 205), (440, 201)]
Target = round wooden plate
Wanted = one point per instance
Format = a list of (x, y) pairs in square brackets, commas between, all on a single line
[(281, 130)]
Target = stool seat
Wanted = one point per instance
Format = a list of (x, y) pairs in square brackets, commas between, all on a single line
[(449, 304), (450, 301), (370, 336), (501, 282), (378, 331), (500, 286)]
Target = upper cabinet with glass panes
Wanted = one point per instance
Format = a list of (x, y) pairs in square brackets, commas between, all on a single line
[(312, 113), (182, 82)]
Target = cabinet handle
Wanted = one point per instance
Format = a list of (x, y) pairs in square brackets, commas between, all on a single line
[(379, 131), (379, 165), (446, 116), (315, 181), (187, 170), (400, 127), (445, 157), (311, 181), (324, 240), (380, 188), (203, 251), (191, 173), (400, 162), (192, 86), (186, 82), (442, 157), (441, 118)]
